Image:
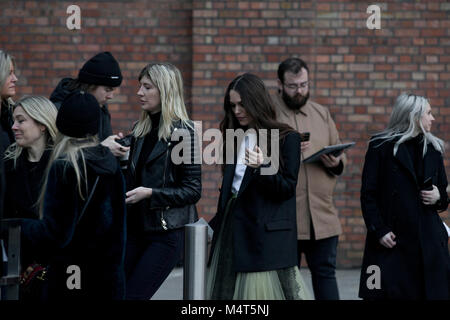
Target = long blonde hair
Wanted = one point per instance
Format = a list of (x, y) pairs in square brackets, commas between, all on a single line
[(167, 78), (70, 150), (404, 123), (42, 111), (5, 67)]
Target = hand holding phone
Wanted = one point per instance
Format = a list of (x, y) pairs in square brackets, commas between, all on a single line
[(304, 136), (427, 184), (125, 141), (429, 193)]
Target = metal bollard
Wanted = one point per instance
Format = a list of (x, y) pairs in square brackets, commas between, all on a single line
[(195, 252), (10, 281)]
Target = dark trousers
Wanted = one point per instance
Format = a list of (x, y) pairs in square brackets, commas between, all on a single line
[(149, 260), (321, 258)]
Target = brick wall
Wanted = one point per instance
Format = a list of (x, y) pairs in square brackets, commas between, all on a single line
[(356, 72), (136, 32)]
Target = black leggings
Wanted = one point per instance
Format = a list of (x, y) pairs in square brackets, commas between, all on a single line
[(149, 260)]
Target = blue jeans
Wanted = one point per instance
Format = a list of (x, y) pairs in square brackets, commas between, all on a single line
[(149, 260), (321, 258)]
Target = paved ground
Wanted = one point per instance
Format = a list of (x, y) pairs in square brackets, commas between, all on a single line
[(348, 282)]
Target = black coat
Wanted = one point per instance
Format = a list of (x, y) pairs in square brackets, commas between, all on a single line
[(264, 215), (418, 267), (97, 242), (23, 187), (176, 187), (6, 138), (6, 123), (61, 92)]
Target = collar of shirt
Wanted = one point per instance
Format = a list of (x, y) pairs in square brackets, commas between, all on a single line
[(288, 112)]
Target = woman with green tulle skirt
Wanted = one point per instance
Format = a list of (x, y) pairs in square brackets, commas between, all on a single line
[(254, 248)]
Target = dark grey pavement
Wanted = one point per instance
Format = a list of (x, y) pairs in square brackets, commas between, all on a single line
[(348, 282)]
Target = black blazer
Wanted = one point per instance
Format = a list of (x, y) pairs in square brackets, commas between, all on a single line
[(390, 201), (264, 215)]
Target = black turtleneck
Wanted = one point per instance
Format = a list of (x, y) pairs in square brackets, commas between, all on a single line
[(415, 150), (150, 141)]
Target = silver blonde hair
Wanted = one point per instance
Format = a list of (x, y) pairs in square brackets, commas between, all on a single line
[(5, 67), (169, 81), (43, 112), (405, 123), (69, 150)]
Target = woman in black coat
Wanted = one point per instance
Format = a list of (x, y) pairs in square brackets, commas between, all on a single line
[(26, 160), (8, 81), (164, 181), (82, 225), (254, 248), (406, 254)]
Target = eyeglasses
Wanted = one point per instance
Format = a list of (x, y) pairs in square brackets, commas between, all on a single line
[(294, 86)]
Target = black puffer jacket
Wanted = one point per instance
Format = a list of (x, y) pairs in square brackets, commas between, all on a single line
[(176, 187), (61, 92)]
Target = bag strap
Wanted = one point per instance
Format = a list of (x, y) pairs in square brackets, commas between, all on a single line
[(88, 199)]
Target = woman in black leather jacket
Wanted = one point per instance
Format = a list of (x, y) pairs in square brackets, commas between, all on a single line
[(164, 181)]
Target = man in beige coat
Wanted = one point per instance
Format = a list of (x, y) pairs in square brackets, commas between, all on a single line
[(318, 224)]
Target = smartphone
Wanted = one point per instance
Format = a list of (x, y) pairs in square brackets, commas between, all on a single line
[(427, 184), (304, 136), (125, 141)]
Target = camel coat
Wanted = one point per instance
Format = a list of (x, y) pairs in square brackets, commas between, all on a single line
[(316, 183)]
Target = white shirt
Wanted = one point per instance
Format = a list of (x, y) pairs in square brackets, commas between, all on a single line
[(249, 142)]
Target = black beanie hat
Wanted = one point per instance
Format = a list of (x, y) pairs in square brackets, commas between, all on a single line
[(79, 115), (102, 69)]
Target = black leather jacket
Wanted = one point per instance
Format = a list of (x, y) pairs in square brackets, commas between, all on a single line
[(176, 187)]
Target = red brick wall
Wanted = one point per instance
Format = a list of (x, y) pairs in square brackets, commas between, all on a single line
[(136, 32), (355, 71)]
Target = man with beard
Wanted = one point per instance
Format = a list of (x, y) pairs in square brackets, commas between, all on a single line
[(318, 225)]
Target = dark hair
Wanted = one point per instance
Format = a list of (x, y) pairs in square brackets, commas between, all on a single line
[(256, 100), (293, 65), (77, 85)]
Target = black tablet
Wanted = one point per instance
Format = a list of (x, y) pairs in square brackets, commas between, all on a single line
[(335, 150)]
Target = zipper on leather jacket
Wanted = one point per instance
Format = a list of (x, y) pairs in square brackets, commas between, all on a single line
[(163, 221)]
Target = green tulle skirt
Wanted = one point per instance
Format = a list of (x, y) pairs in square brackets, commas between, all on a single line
[(222, 283)]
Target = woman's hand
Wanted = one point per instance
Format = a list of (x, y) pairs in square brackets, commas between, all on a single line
[(116, 148), (138, 194), (254, 158), (430, 197), (388, 240)]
